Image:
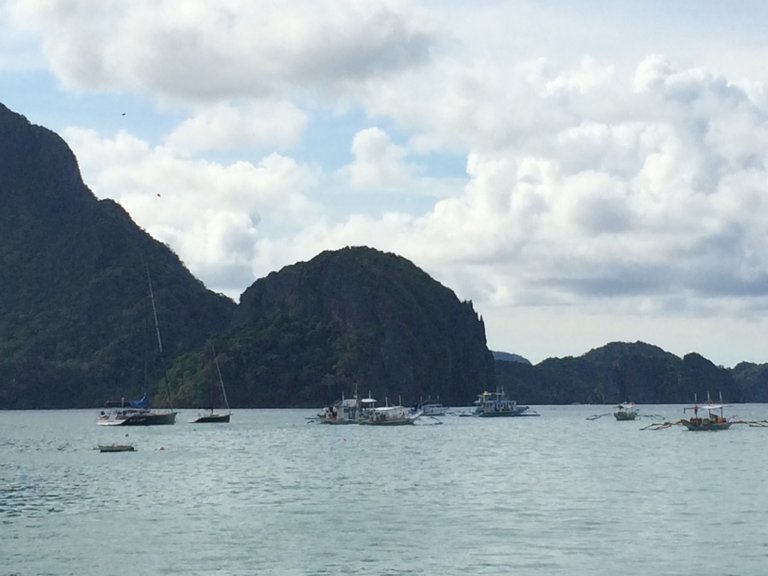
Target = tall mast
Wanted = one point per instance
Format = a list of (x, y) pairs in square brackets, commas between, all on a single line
[(221, 380), (154, 312)]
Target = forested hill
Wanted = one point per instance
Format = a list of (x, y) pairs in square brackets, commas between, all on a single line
[(352, 319), (75, 315), (76, 320), (636, 372)]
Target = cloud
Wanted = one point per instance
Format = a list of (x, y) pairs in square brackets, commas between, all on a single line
[(223, 126), (379, 163), (213, 215), (202, 51)]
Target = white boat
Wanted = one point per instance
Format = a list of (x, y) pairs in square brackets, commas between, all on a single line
[(346, 410), (496, 404), (430, 408), (390, 416), (209, 416)]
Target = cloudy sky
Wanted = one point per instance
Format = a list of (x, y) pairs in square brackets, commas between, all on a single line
[(584, 172)]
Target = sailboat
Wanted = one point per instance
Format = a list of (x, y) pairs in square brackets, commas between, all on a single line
[(209, 416), (137, 412)]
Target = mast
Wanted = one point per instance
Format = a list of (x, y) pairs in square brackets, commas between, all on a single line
[(221, 380), (154, 312), (159, 339)]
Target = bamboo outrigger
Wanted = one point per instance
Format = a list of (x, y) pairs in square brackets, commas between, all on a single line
[(711, 419)]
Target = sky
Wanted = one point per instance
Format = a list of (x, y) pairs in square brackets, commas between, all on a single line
[(583, 171)]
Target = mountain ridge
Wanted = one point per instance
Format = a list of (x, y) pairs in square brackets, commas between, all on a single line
[(76, 329)]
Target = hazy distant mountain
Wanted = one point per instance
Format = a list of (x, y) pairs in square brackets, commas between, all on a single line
[(635, 372), (508, 357)]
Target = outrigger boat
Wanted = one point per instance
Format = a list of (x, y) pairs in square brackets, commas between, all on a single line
[(625, 411), (711, 421), (390, 416), (495, 404), (707, 417), (347, 410)]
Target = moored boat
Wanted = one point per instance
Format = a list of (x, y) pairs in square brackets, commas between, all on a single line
[(135, 413), (116, 448), (710, 420), (209, 416), (390, 416), (496, 404), (625, 411), (138, 412), (136, 417), (430, 408)]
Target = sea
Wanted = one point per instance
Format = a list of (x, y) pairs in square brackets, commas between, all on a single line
[(272, 492)]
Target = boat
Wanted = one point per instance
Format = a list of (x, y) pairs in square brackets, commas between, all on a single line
[(209, 416), (625, 411), (430, 408), (135, 413), (347, 410), (711, 420), (390, 416), (496, 404), (138, 412), (116, 448)]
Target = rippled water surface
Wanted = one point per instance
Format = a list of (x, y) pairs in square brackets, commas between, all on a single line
[(270, 493)]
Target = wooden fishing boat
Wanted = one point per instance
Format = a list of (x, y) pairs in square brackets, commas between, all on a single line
[(710, 419), (625, 411)]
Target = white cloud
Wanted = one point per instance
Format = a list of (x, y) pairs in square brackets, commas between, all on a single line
[(208, 51), (260, 125), (211, 214), (379, 163)]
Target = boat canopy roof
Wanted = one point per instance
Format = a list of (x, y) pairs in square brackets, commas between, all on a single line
[(706, 406)]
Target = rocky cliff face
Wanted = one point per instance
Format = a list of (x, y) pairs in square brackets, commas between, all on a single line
[(391, 328), (74, 301)]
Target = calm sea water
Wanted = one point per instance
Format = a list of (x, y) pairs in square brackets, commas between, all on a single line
[(270, 493)]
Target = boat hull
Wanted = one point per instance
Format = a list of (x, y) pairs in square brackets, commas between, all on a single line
[(210, 419), (504, 413), (147, 418), (705, 426), (116, 448)]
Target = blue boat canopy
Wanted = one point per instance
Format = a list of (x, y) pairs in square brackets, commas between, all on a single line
[(142, 403)]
